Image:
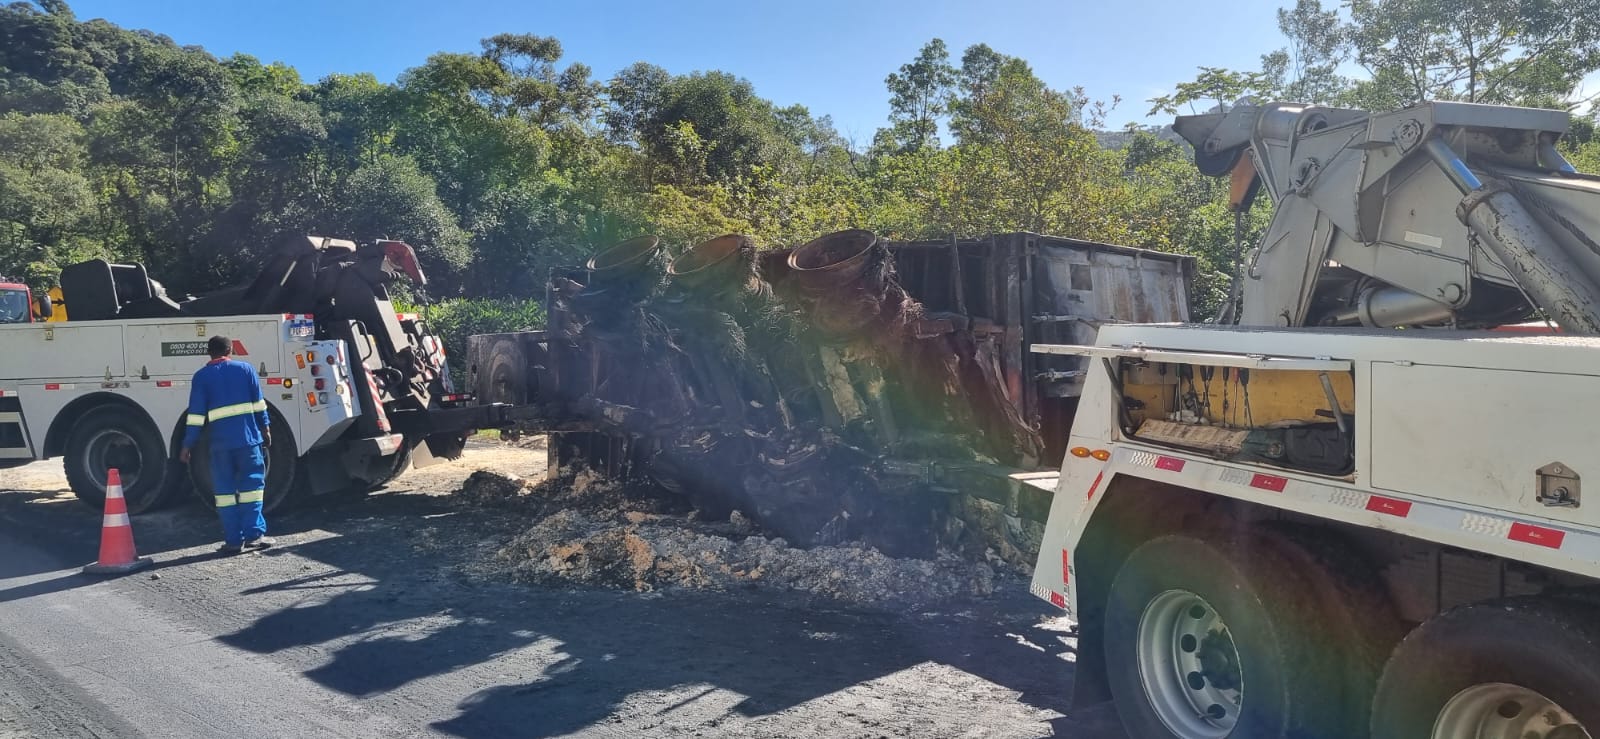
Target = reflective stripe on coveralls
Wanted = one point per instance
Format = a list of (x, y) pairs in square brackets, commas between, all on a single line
[(237, 409)]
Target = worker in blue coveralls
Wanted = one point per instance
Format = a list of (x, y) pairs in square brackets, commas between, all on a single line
[(226, 396)]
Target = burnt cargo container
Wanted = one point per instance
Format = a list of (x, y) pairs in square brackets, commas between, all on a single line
[(852, 388)]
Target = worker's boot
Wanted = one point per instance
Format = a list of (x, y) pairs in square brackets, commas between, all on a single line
[(260, 542)]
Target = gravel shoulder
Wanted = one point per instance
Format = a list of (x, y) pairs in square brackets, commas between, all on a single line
[(376, 615)]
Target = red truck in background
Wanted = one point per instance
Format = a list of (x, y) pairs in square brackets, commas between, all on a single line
[(16, 302)]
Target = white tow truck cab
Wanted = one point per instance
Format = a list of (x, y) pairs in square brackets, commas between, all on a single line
[(114, 393), (1249, 521)]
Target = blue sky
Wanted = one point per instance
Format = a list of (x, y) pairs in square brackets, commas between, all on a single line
[(830, 55)]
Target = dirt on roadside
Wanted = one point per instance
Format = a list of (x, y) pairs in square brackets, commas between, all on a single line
[(580, 529)]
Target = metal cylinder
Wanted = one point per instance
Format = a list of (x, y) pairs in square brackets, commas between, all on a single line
[(1390, 307), (834, 261), (1535, 259), (1279, 122), (1454, 168), (627, 271), (1550, 156)]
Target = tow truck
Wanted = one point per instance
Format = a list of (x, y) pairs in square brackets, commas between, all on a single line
[(1355, 509), (357, 390)]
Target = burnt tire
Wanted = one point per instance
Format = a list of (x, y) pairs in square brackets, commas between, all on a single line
[(1207, 639), (1547, 648), (282, 463), (120, 437)]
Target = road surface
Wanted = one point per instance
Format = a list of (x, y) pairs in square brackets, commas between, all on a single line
[(362, 624)]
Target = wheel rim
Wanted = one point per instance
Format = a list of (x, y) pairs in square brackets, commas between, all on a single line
[(1189, 666), (1505, 711), (113, 448)]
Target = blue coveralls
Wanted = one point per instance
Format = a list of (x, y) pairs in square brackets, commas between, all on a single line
[(227, 396)]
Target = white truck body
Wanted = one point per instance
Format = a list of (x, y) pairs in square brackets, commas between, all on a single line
[(53, 373), (1451, 428), (1461, 503)]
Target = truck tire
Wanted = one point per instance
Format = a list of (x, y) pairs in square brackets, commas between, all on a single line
[(357, 491), (1353, 603), (398, 465), (1525, 667), (120, 437), (1206, 640), (282, 462)]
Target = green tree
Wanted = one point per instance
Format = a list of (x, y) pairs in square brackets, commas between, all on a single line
[(1307, 70), (919, 97), (1526, 52), (392, 198), (47, 208)]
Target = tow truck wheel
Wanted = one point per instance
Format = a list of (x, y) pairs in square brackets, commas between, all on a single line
[(1206, 640), (121, 438), (282, 465), (1526, 668)]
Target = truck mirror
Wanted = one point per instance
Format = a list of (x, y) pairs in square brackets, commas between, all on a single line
[(47, 309)]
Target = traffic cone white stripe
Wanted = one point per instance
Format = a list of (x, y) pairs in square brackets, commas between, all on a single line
[(117, 551)]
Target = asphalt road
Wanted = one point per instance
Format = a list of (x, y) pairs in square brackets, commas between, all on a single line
[(362, 624)]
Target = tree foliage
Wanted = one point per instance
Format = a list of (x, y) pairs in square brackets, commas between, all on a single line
[(1509, 52), (504, 162)]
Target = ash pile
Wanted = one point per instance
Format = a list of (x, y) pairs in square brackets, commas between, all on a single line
[(803, 388), (594, 531)]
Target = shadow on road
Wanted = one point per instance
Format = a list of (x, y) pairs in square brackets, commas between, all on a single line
[(592, 650), (548, 662)]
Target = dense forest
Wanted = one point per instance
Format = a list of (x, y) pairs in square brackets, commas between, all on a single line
[(127, 145)]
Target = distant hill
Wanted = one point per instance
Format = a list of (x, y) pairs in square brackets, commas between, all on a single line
[(1117, 139)]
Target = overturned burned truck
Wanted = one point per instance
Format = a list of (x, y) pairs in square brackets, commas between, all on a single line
[(850, 389)]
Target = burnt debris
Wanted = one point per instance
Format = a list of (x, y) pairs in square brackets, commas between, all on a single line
[(808, 388)]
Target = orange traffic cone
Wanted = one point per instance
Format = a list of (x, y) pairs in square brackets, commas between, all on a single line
[(117, 554)]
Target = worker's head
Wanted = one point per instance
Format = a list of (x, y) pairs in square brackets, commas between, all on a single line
[(219, 347)]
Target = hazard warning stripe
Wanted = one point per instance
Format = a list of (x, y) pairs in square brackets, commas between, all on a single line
[(1096, 485), (1568, 547), (1056, 599), (1269, 482), (1427, 515), (113, 520), (1380, 504), (1538, 535)]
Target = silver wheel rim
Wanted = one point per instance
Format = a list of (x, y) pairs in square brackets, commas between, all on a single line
[(1189, 666), (109, 448), (1505, 711)]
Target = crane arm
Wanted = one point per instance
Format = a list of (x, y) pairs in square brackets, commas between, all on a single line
[(1440, 213)]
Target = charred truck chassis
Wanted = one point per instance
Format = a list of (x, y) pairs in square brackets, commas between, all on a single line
[(847, 389)]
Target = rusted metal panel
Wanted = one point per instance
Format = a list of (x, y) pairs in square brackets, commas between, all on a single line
[(1032, 289)]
